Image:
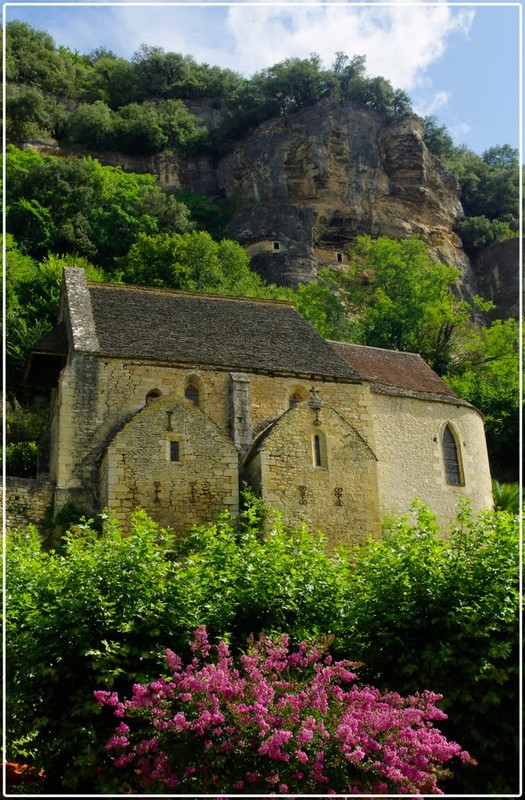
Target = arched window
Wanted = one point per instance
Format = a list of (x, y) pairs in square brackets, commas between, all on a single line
[(191, 393), (296, 394), (451, 458), (151, 396)]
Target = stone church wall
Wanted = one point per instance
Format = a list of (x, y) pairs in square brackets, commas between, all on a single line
[(106, 393), (339, 495), (171, 460), (410, 455)]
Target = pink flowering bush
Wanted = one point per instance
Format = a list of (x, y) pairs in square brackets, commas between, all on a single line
[(283, 722)]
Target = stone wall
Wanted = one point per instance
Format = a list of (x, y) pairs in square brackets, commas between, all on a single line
[(28, 501), (410, 455), (107, 395), (331, 484), (172, 461)]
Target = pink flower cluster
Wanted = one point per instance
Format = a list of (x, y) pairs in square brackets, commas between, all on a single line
[(282, 722)]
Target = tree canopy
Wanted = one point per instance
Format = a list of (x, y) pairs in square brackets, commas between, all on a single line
[(489, 187), (76, 205), (103, 101), (193, 261)]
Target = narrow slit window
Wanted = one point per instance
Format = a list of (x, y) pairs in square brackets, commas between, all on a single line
[(339, 257), (277, 246), (317, 451), (174, 451), (451, 458)]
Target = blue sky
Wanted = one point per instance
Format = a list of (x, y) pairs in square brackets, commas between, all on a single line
[(457, 61)]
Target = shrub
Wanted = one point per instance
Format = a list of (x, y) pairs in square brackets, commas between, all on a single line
[(423, 609), (283, 722), (21, 459), (420, 609), (506, 496), (80, 615)]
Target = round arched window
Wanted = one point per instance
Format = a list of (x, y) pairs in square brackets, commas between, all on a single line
[(151, 396)]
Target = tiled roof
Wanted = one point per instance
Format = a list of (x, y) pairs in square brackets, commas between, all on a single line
[(394, 369), (211, 330)]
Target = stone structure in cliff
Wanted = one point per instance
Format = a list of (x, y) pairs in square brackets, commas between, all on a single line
[(301, 188), (168, 401), (305, 187)]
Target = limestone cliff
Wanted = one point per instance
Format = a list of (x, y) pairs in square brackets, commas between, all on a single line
[(302, 188), (497, 270)]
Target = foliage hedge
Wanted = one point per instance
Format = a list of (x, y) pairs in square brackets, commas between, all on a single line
[(420, 610), (21, 459)]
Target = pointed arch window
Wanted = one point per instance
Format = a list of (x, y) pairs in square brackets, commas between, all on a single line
[(452, 457), (191, 393), (317, 451), (294, 400)]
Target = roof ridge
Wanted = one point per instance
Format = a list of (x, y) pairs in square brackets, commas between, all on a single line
[(182, 293)]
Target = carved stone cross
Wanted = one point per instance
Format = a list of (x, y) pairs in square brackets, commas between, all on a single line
[(315, 404)]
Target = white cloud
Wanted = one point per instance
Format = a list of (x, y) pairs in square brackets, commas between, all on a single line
[(460, 130), (400, 41), (430, 105)]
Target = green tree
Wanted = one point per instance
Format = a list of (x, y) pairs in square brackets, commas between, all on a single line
[(110, 79), (479, 232), (193, 261), (32, 300), (437, 138), (31, 57), (489, 183), (486, 373), (322, 303), (76, 205), (93, 125), (139, 129), (419, 608), (423, 609), (27, 113), (295, 83), (397, 297)]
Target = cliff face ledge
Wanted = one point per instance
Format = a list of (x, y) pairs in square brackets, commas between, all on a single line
[(497, 270), (304, 187)]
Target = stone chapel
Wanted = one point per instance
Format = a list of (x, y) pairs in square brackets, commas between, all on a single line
[(170, 401)]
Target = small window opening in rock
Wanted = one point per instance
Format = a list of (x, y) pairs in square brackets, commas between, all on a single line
[(277, 245), (339, 257)]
